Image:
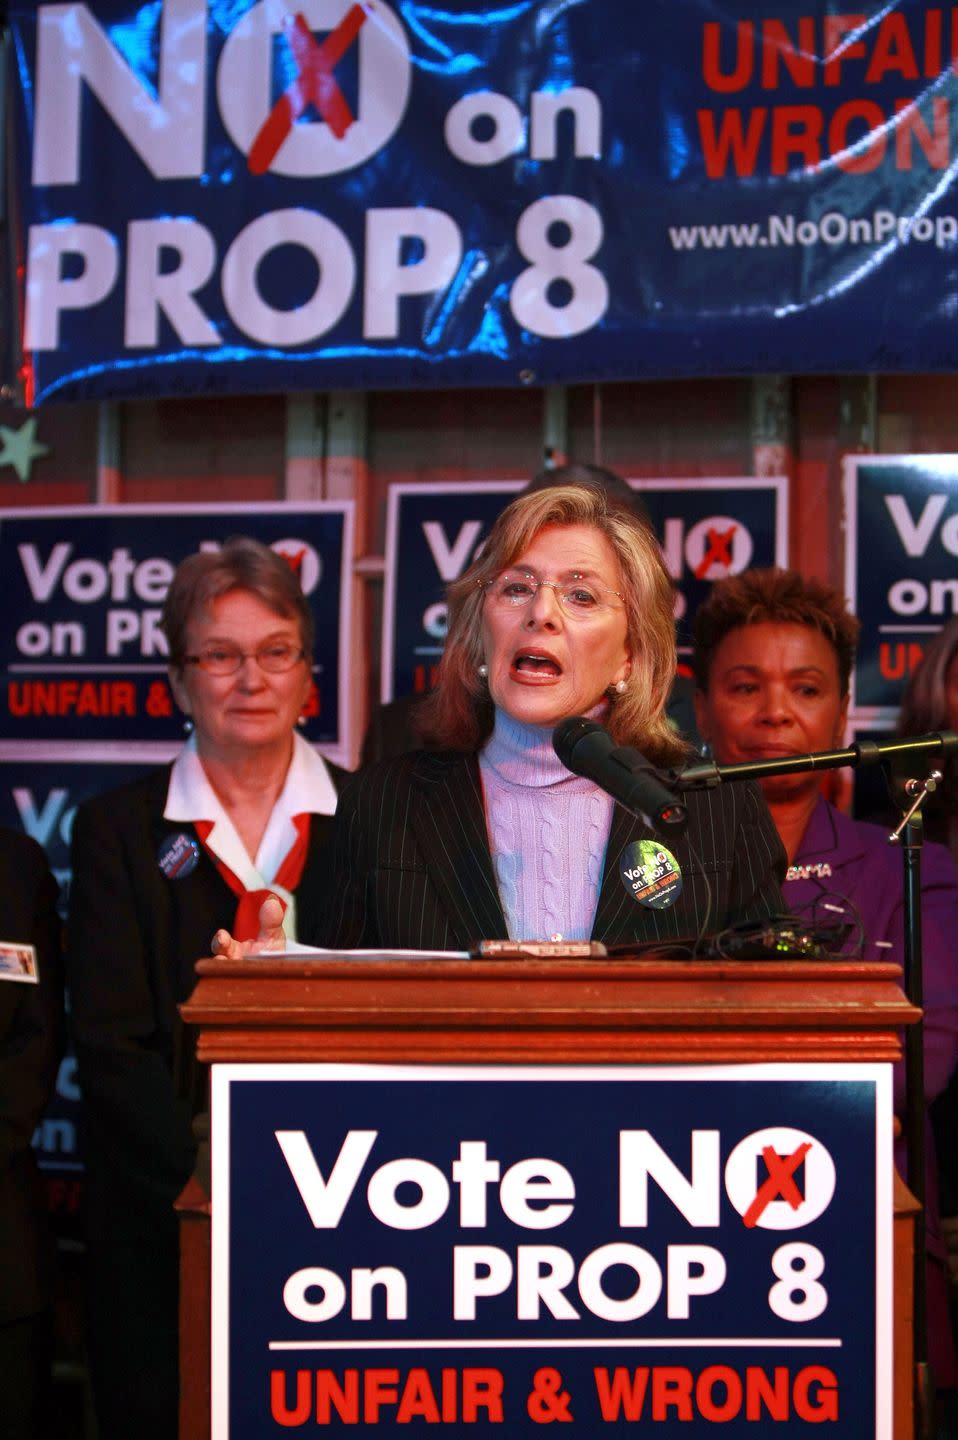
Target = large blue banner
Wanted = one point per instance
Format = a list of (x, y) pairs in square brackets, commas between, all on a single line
[(671, 1247), (82, 655), (281, 194)]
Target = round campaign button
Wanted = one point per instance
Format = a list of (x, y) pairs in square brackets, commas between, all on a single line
[(651, 874), (178, 856)]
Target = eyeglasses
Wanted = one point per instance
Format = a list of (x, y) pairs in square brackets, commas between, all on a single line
[(579, 595), (227, 659)]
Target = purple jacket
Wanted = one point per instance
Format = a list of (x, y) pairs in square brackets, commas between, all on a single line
[(866, 870)]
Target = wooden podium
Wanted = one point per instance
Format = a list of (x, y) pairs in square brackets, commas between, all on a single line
[(647, 1011)]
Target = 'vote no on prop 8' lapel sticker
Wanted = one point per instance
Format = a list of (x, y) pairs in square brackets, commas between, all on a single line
[(178, 856), (651, 874)]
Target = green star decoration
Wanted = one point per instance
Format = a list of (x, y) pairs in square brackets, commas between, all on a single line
[(20, 448)]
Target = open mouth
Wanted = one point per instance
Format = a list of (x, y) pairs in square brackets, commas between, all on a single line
[(534, 664)]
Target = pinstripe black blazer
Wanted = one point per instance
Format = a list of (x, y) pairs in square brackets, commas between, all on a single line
[(412, 867)]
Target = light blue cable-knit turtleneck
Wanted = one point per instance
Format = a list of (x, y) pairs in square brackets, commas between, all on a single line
[(547, 831)]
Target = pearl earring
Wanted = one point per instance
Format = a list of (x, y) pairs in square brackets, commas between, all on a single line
[(620, 687), (188, 726), (483, 671)]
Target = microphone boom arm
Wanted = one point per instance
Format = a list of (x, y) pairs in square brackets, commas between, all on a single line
[(706, 774)]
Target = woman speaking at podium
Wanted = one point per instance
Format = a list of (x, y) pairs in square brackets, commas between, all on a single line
[(158, 865), (566, 612)]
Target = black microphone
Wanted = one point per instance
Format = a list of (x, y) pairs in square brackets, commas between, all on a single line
[(585, 748)]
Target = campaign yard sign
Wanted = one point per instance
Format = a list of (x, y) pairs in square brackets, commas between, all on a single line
[(83, 658), (672, 1247), (707, 528), (433, 533), (710, 529), (901, 540), (40, 793)]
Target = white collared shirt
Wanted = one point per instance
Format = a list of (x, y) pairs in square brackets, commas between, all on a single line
[(307, 789)]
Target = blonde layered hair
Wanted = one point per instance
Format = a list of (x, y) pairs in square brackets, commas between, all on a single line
[(459, 714)]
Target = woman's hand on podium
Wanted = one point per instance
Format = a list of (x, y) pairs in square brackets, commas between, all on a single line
[(271, 935)]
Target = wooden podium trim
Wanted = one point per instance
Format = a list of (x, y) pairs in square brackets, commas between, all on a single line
[(658, 1011)]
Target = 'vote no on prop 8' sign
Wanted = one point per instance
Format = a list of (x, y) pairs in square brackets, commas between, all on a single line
[(901, 577), (589, 1244), (82, 653)]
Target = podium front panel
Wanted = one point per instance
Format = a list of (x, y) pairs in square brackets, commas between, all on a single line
[(423, 1249)]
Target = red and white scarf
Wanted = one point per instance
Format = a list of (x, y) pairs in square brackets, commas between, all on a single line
[(278, 866)]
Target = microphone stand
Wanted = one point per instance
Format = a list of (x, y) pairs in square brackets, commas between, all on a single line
[(902, 757), (910, 793)]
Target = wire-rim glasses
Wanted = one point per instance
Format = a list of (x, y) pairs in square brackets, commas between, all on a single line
[(578, 594), (275, 658)]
